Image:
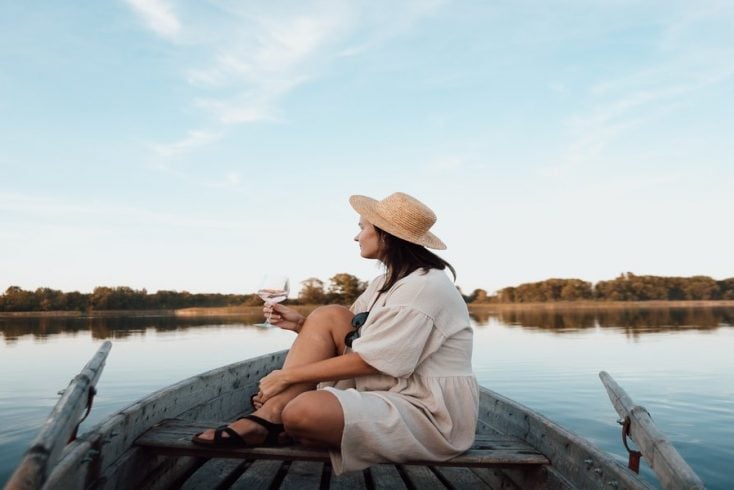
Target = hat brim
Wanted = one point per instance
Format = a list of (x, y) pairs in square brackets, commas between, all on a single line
[(368, 207)]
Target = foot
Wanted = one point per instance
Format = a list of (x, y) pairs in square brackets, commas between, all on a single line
[(247, 431)]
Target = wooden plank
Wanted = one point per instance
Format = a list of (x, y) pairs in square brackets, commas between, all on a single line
[(173, 437), (38, 462), (386, 477), (663, 458), (303, 475), (354, 480), (222, 391), (496, 479), (73, 468), (166, 475), (213, 473), (463, 478), (582, 464), (421, 476), (260, 475)]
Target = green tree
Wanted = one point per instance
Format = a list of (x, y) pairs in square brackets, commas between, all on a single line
[(252, 300), (507, 295), (479, 296), (17, 299), (312, 292), (576, 289), (726, 288), (345, 288)]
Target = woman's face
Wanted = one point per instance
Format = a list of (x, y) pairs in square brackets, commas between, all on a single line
[(369, 240)]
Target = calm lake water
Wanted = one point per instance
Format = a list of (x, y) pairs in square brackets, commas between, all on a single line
[(675, 362)]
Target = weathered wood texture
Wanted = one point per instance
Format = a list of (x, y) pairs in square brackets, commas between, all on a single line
[(263, 474), (663, 458), (46, 448), (104, 457), (214, 473), (581, 464), (173, 437)]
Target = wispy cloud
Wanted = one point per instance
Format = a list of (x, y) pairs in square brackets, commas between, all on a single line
[(159, 16), (167, 153), (248, 59), (640, 97), (23, 208), (194, 139)]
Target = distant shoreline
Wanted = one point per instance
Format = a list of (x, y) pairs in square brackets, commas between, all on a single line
[(225, 311), (588, 305), (235, 311)]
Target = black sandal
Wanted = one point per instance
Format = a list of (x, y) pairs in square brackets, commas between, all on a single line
[(234, 439)]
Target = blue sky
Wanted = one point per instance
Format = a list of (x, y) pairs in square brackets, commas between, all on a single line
[(195, 146)]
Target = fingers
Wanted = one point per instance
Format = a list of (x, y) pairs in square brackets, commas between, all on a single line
[(271, 313), (270, 386), (257, 400)]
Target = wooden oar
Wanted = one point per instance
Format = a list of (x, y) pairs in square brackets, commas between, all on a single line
[(60, 426), (666, 462)]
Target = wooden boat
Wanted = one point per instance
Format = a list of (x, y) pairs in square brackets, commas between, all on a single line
[(147, 445)]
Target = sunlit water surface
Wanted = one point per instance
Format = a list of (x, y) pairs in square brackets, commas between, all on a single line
[(676, 363)]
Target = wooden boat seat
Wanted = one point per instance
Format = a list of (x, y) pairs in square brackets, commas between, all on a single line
[(173, 437)]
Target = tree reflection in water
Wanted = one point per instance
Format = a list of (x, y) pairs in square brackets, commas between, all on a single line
[(113, 327), (632, 320)]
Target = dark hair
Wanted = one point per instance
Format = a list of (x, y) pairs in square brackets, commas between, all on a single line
[(403, 258)]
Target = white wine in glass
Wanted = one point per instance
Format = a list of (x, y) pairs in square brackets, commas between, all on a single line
[(273, 289)]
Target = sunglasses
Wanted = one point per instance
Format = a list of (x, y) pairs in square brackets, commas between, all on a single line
[(357, 321)]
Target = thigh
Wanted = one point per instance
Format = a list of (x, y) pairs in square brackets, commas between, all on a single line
[(316, 416), (329, 323)]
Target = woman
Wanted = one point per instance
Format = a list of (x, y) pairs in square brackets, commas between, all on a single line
[(394, 372)]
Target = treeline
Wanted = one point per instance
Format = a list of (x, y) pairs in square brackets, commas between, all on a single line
[(107, 298), (626, 287), (343, 289)]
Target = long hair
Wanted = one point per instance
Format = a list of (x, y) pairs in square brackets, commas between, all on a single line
[(402, 258)]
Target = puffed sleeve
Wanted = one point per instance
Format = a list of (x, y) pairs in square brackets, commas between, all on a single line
[(395, 339), (360, 304)]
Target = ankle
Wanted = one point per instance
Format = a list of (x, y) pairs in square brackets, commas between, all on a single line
[(272, 411)]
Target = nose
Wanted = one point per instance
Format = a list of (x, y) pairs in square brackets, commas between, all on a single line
[(356, 237)]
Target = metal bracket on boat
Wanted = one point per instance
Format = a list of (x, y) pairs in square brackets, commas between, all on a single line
[(90, 398), (634, 456)]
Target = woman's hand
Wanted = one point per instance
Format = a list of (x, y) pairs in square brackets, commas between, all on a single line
[(284, 317), (272, 384)]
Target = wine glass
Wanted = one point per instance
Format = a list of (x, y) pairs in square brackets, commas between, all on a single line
[(273, 289)]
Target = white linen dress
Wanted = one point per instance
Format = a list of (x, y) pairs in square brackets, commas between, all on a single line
[(424, 403)]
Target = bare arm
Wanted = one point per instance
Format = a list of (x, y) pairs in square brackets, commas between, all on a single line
[(284, 317), (341, 367)]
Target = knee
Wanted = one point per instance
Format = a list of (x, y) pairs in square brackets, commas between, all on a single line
[(299, 415), (331, 312), (329, 316)]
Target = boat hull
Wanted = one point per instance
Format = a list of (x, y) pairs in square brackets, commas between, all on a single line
[(106, 457)]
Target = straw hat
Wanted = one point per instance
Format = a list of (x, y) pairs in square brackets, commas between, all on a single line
[(401, 215)]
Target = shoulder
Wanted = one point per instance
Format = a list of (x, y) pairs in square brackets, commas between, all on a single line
[(431, 294), (376, 283), (430, 285), (432, 278)]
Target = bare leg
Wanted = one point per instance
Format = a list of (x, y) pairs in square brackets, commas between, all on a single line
[(321, 337), (315, 418)]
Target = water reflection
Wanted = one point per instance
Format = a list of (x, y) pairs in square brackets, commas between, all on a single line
[(632, 320), (112, 327)]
